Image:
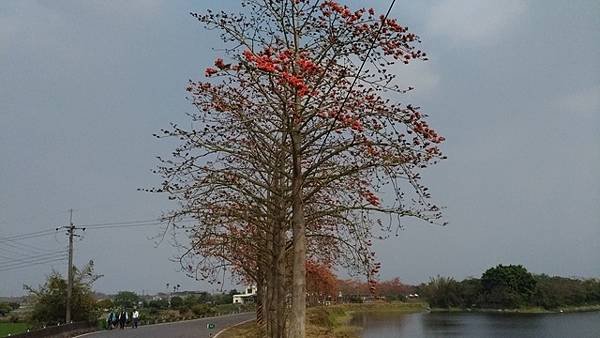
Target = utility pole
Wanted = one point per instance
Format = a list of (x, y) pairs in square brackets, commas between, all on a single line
[(70, 270)]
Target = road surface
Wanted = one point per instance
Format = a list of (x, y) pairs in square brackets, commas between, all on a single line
[(185, 329)]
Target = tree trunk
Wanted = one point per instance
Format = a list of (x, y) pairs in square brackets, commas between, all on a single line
[(281, 289), (272, 285), (260, 303), (297, 327)]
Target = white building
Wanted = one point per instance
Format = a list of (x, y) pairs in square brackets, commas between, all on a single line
[(249, 296)]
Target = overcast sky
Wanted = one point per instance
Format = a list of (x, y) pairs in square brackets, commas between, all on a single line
[(514, 86)]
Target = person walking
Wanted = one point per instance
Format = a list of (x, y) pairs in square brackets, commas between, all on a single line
[(115, 319), (122, 319), (135, 316), (109, 320)]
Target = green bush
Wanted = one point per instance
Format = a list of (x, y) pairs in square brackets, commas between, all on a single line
[(176, 302), (202, 310)]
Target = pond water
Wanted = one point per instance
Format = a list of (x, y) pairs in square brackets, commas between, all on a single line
[(581, 325)]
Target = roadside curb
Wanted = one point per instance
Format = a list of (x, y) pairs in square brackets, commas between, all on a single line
[(232, 326)]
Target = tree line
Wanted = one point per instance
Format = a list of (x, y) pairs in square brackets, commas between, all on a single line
[(48, 302), (511, 287)]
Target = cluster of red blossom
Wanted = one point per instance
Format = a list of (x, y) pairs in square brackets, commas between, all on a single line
[(330, 7), (393, 45), (423, 128), (279, 65), (371, 198), (307, 65), (347, 119), (210, 71), (262, 62), (372, 282), (394, 25), (295, 82), (221, 65), (275, 65), (372, 150)]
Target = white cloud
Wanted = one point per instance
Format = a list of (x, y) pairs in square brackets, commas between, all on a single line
[(474, 20), (586, 101)]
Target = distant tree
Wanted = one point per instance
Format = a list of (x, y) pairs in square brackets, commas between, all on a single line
[(49, 300), (392, 289), (592, 287), (204, 297), (222, 298), (443, 292), (190, 301), (470, 292), (202, 309), (126, 299), (508, 286), (5, 308), (159, 304), (352, 287), (176, 302), (553, 292), (321, 283), (105, 304)]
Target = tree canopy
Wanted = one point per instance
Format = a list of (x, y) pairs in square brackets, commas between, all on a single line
[(126, 299), (49, 299), (507, 286)]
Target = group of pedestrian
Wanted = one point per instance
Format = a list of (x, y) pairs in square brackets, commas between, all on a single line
[(122, 318)]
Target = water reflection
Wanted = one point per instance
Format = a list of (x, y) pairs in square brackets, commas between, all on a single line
[(438, 324), (383, 324), (395, 325)]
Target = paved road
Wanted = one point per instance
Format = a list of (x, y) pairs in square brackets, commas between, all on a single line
[(186, 329)]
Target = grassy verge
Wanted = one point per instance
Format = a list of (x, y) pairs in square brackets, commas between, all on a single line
[(12, 328), (331, 321), (245, 330)]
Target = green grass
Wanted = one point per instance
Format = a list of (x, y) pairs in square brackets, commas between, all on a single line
[(409, 307), (332, 321), (12, 328)]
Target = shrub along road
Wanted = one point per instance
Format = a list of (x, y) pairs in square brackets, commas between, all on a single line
[(184, 329)]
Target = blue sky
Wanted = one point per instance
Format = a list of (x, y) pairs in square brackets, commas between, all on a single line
[(514, 86)]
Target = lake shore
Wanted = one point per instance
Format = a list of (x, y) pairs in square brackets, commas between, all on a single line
[(525, 310), (334, 320)]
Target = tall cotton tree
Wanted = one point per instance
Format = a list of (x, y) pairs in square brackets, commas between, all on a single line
[(300, 129)]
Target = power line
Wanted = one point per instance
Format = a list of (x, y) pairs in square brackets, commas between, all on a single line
[(25, 262), (122, 223), (21, 246), (26, 258), (33, 264), (36, 234), (14, 245), (10, 250), (124, 226)]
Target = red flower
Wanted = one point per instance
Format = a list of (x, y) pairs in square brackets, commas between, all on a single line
[(210, 72), (220, 64), (248, 55)]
